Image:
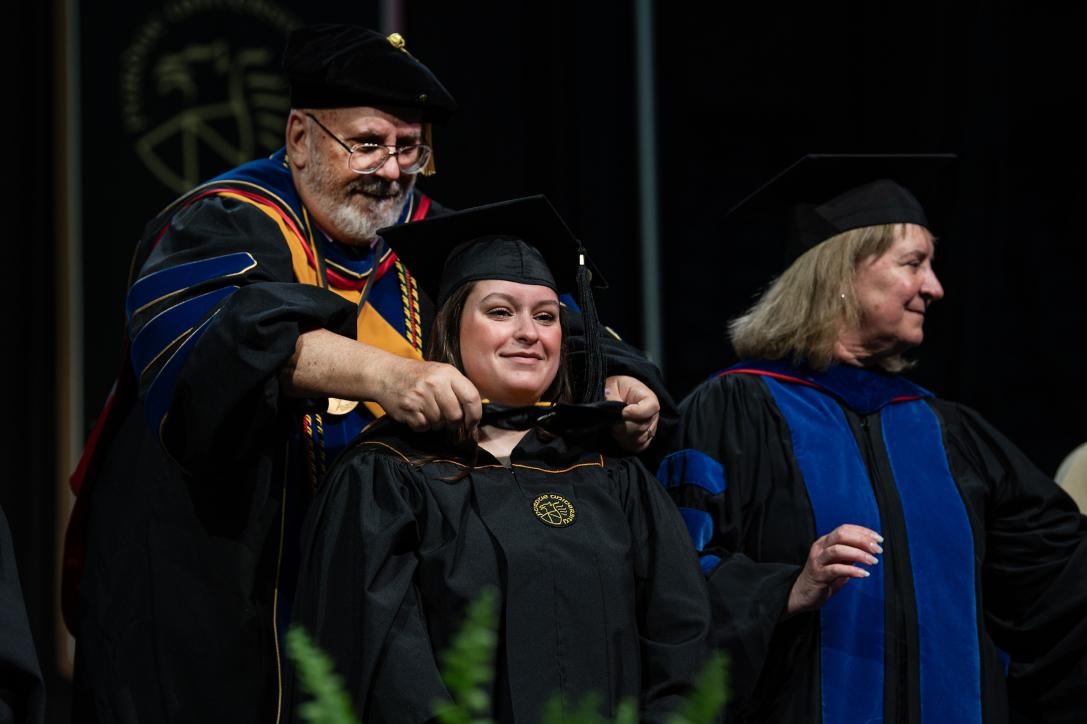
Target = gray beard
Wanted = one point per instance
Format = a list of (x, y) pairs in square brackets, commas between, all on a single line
[(360, 208)]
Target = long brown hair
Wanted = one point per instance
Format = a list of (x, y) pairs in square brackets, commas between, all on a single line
[(444, 342)]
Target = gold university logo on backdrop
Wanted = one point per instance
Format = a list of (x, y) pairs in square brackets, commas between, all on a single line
[(202, 89)]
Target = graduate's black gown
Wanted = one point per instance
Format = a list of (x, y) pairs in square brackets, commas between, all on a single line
[(394, 551), (985, 557)]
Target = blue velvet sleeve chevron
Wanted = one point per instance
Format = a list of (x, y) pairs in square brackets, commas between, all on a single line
[(694, 468), (167, 315), (214, 312), (172, 281)]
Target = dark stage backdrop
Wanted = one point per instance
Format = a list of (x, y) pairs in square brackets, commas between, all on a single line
[(173, 92), (180, 91), (997, 87), (26, 440)]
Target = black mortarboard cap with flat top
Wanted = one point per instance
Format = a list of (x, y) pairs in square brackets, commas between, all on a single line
[(341, 66), (522, 240), (823, 195)]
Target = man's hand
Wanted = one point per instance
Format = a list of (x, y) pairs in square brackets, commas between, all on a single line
[(831, 563), (424, 395), (640, 416), (429, 395)]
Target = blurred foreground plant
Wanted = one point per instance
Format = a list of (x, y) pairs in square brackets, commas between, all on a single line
[(468, 664), (467, 669), (330, 703)]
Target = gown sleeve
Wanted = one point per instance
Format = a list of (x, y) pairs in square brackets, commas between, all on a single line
[(1034, 576), (622, 358), (673, 608), (213, 313), (356, 595), (728, 451)]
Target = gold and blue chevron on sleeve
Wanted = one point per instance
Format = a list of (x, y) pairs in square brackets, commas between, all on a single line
[(168, 311)]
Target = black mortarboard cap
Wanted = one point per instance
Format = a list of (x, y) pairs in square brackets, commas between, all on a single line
[(339, 66), (522, 240), (822, 195)]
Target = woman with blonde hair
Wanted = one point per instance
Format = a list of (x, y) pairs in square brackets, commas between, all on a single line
[(873, 553)]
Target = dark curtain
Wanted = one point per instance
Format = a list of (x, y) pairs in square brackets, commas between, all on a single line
[(997, 86), (547, 97), (27, 482)]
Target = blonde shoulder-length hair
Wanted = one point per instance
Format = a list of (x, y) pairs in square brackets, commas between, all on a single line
[(802, 312)]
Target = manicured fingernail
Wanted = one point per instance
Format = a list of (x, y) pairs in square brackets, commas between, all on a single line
[(876, 547), (879, 538), (864, 572), (873, 560)]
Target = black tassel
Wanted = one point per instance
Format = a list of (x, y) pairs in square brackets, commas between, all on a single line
[(594, 357)]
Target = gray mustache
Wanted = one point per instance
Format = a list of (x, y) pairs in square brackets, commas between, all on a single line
[(376, 187)]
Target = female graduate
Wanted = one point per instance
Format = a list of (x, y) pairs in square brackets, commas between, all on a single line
[(873, 553), (599, 587)]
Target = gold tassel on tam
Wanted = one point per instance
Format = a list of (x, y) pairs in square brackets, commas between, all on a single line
[(397, 41), (429, 169)]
